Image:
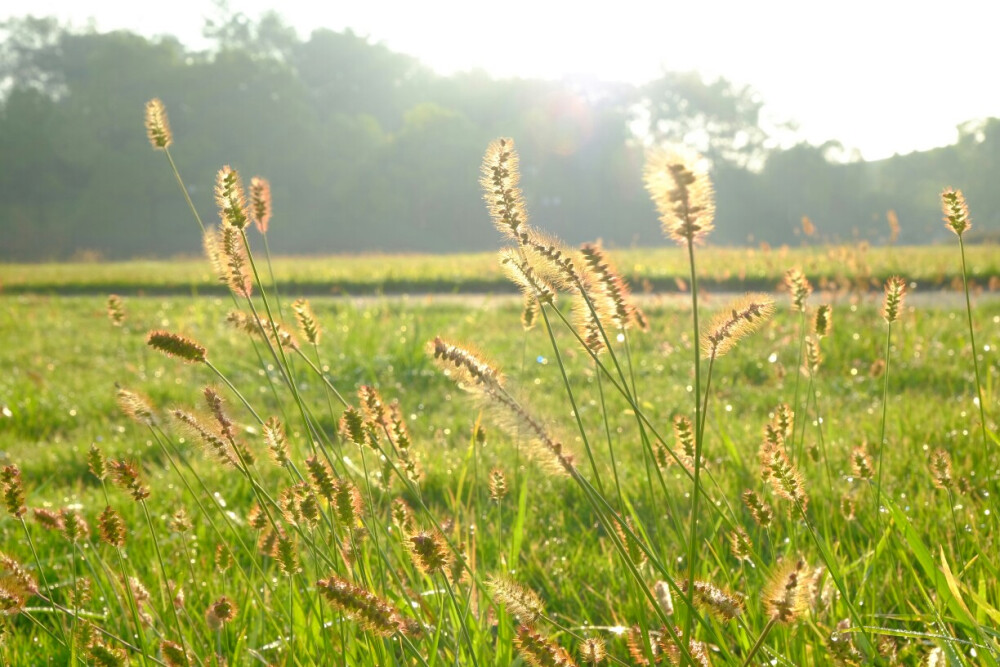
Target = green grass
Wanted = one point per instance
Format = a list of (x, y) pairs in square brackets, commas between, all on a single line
[(57, 394), (659, 269)]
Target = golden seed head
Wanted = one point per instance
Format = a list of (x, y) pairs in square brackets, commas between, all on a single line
[(74, 526), (798, 287), (429, 551), (498, 485), (678, 183), (614, 298), (96, 462), (520, 601), (895, 292), (787, 593), (260, 203), (720, 603), (759, 510), (157, 126), (220, 612), (347, 503), (469, 368), (125, 474), (180, 522), (956, 211), (500, 177), (861, 463), (814, 355), (135, 406), (894, 228), (116, 310), (593, 651), (175, 345), (538, 651), (307, 321), (740, 319), (940, 465), (823, 320), (363, 606), (532, 285), (48, 519), (786, 480), (13, 491), (231, 198), (633, 548), (277, 443), (784, 420), (322, 478), (664, 597), (174, 654), (740, 544), (223, 558), (111, 527)]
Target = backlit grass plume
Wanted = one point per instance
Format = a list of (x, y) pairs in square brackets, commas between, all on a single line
[(679, 185), (539, 651), (895, 293), (175, 345), (520, 601), (500, 185), (613, 289), (157, 125), (737, 321), (798, 288), (956, 211), (722, 604), (260, 203), (367, 609), (231, 198)]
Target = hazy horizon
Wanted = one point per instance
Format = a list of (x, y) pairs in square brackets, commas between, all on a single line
[(873, 76)]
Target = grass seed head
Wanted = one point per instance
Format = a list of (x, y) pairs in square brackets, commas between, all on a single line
[(174, 654), (520, 601), (799, 288), (13, 491), (895, 292), (104, 655), (956, 211), (759, 510), (740, 544), (135, 406), (116, 310), (500, 178), (74, 527), (157, 125), (678, 183), (277, 442), (538, 651), (722, 604), (593, 650), (498, 485), (429, 551), (614, 301), (48, 519), (175, 345), (823, 320), (96, 462), (370, 611), (787, 593), (111, 527), (220, 612), (940, 466), (661, 590), (740, 319), (308, 325), (231, 198), (260, 203)]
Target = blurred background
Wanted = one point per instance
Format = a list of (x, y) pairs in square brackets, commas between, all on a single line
[(370, 119)]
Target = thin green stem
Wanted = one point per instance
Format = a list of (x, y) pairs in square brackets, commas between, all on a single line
[(760, 640), (696, 495)]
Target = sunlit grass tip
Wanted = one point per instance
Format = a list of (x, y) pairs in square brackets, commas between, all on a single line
[(737, 321), (678, 183), (260, 203), (157, 125), (956, 211), (503, 197)]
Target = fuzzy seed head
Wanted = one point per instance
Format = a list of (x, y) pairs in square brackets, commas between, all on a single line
[(371, 612), (664, 597), (96, 462), (260, 203), (593, 651), (175, 345), (895, 292), (74, 526), (466, 366), (861, 463), (174, 654), (322, 477), (13, 491), (223, 558), (823, 320), (111, 527), (740, 544), (307, 321), (759, 510), (429, 552), (940, 465), (799, 288), (678, 183), (720, 603), (956, 211), (180, 522), (135, 406), (231, 198), (740, 319), (220, 612), (157, 126), (520, 601), (785, 479), (116, 310), (107, 656), (500, 177), (277, 443), (498, 485), (538, 651), (787, 593), (48, 519), (613, 298)]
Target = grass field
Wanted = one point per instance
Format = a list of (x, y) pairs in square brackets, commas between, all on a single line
[(58, 395), (578, 477), (660, 269)]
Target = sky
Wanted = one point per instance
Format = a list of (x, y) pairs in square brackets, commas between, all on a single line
[(880, 76)]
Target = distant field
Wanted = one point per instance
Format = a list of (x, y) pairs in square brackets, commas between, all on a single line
[(659, 269)]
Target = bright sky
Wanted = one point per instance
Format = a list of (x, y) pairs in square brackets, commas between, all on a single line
[(881, 76)]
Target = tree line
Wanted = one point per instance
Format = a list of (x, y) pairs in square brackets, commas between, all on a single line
[(367, 149)]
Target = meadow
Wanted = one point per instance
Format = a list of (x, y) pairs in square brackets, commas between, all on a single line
[(578, 476)]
